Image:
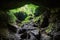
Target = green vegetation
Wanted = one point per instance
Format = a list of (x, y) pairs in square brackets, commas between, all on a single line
[(29, 9), (26, 13)]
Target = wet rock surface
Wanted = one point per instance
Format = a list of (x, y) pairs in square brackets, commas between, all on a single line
[(26, 32), (30, 31)]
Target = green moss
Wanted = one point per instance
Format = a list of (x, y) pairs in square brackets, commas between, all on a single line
[(28, 9), (49, 29)]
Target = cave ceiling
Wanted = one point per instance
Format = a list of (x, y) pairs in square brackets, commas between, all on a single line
[(10, 4)]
